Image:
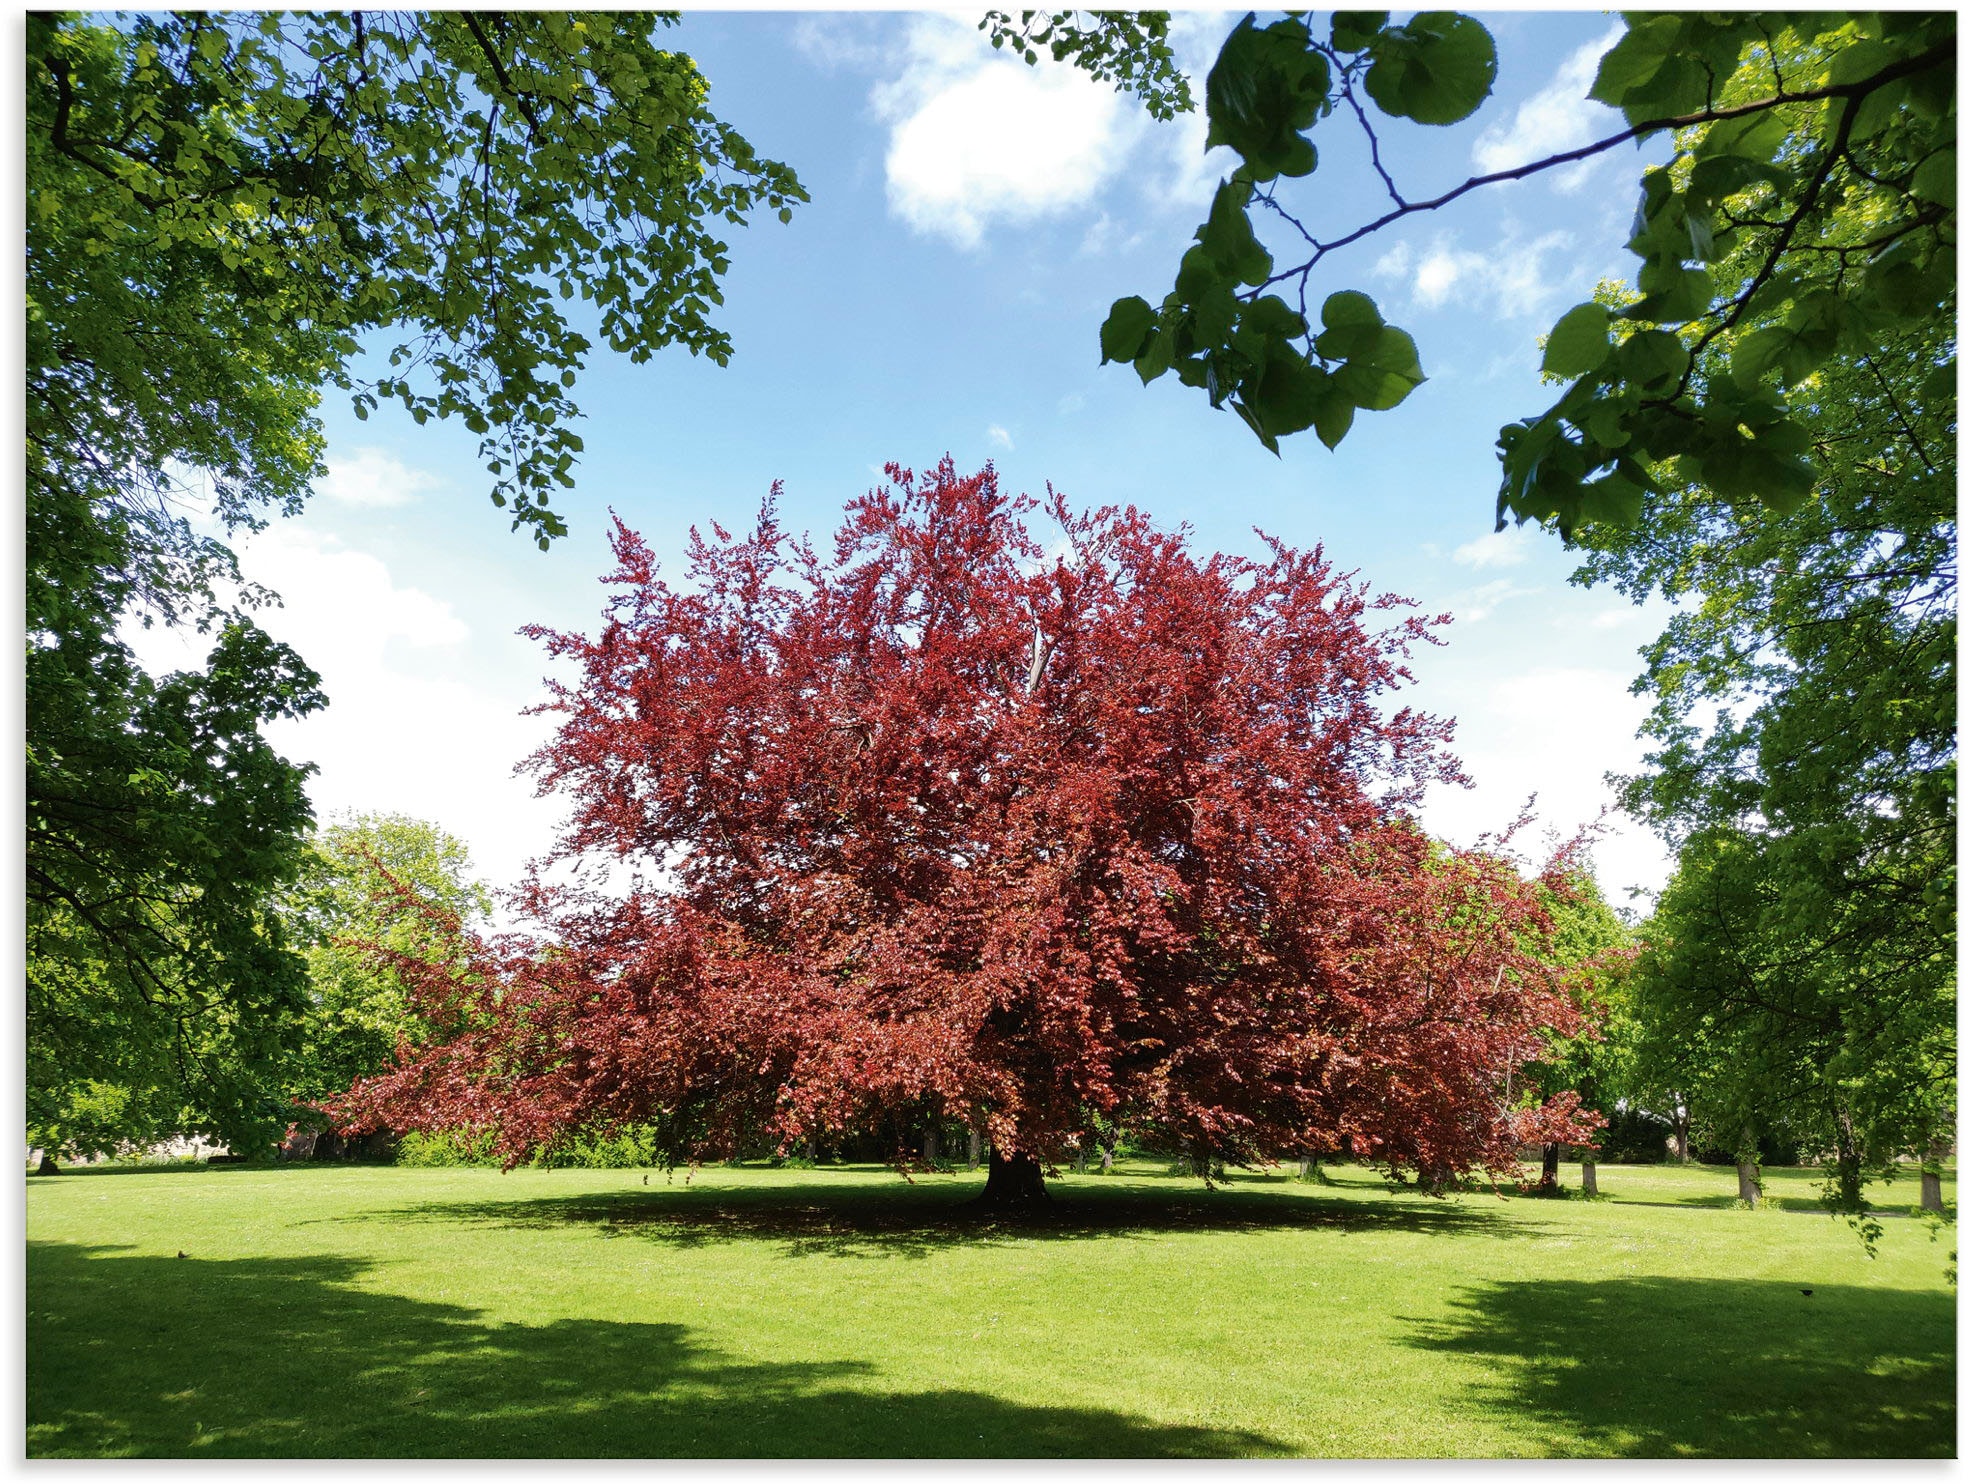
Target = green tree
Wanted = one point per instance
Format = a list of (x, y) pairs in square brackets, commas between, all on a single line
[(1592, 950), (222, 210), (1805, 755), (160, 991), (348, 901), (1787, 131), (1783, 1021)]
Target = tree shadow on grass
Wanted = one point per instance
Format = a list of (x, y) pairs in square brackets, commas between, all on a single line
[(1712, 1367), (264, 1357), (916, 1221)]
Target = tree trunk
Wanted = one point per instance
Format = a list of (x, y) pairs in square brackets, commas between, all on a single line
[(976, 1148), (1107, 1160), (1015, 1183), (812, 1151), (1682, 1118), (1749, 1189), (1930, 1176), (1589, 1176), (929, 1146), (49, 1167), (1548, 1177)]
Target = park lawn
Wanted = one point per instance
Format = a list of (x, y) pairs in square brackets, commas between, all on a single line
[(367, 1311)]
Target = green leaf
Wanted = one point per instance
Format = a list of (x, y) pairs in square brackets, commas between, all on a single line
[(1290, 393), (1436, 69), (1349, 307), (1652, 358), (1267, 86), (1274, 318), (1353, 30), (1196, 274), (1155, 355), (1227, 236), (1634, 58), (1934, 179), (1256, 425), (1612, 497), (1579, 342), (1213, 315), (1334, 419), (1125, 333), (1383, 375)]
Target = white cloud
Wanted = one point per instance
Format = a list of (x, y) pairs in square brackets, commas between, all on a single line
[(1513, 277), (999, 436), (372, 477), (1556, 118), (980, 138), (1479, 603), (1509, 547), (421, 717), (837, 42), (1554, 732)]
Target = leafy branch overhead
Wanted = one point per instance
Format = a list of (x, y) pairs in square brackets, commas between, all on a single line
[(1808, 211), (449, 179)]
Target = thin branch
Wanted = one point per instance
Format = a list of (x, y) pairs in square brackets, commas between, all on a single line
[(1936, 56)]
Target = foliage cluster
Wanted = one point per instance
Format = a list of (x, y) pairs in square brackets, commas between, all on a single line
[(1787, 129)]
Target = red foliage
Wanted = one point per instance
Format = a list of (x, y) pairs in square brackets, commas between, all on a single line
[(949, 820)]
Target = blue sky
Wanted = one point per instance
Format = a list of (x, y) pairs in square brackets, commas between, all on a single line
[(972, 218)]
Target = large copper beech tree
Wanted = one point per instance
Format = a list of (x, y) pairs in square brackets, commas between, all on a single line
[(1013, 833)]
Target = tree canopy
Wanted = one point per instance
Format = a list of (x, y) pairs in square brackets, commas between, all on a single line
[(223, 211), (1804, 724), (360, 873), (1814, 153), (1023, 837)]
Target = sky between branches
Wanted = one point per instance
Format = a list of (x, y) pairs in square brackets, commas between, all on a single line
[(972, 219)]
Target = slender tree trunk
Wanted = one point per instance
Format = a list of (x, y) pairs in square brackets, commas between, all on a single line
[(1548, 1177), (1016, 1183), (929, 1146), (976, 1148), (1589, 1175), (1930, 1176), (1682, 1118), (1107, 1160), (812, 1151), (1748, 1188)]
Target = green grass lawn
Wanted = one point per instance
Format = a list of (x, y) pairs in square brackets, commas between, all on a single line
[(373, 1311)]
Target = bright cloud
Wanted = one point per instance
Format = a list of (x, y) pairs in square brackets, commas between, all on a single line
[(999, 436), (1510, 547), (1557, 118), (1479, 603), (978, 137), (1516, 278), (372, 477), (1555, 733)]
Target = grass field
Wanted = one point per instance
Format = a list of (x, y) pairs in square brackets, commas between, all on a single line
[(374, 1311)]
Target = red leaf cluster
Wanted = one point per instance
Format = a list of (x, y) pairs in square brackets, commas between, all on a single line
[(1015, 833)]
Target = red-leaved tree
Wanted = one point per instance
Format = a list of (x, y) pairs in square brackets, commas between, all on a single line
[(1015, 834)]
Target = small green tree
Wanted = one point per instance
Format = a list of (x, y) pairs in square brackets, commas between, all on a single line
[(1592, 949), (348, 901)]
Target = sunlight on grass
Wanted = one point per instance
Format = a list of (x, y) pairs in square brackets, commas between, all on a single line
[(841, 1312)]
